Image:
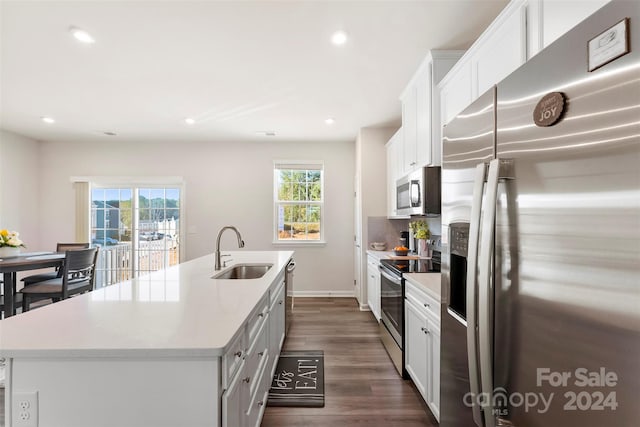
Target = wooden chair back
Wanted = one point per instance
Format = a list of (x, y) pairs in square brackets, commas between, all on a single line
[(79, 268)]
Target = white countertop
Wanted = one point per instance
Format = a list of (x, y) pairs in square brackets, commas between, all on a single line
[(379, 254), (179, 311), (427, 282), (389, 255)]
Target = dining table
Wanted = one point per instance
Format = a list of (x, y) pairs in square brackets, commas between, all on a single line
[(10, 266)]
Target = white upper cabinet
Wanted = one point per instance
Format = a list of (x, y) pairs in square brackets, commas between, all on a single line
[(559, 16), (394, 170), (495, 54), (421, 111), (521, 30), (456, 94), (503, 50), (409, 129)]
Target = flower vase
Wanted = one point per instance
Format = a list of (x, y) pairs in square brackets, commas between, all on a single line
[(9, 251), (423, 248)]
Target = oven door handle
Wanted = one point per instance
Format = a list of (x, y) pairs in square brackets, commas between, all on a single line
[(389, 277)]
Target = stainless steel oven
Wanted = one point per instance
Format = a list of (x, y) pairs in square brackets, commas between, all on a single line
[(392, 288), (392, 314)]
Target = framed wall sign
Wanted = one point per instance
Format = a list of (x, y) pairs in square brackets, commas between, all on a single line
[(609, 45)]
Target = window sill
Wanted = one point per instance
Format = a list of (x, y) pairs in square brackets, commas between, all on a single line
[(299, 243)]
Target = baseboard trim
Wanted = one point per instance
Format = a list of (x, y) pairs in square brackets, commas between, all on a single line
[(324, 294), (365, 307)]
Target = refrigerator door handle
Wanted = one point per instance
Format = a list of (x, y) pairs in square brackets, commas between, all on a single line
[(472, 280), (498, 169)]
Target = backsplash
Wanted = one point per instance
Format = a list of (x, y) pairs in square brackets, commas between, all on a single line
[(382, 229)]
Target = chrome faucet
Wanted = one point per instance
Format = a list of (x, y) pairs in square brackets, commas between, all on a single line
[(240, 243)]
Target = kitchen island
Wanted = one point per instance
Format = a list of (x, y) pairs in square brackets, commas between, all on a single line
[(174, 348)]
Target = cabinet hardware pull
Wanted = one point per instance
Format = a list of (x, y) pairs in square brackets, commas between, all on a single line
[(246, 380), (260, 403), (260, 314), (426, 305), (238, 353), (280, 302), (261, 354)]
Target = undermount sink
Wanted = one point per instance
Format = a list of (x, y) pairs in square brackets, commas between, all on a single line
[(244, 271)]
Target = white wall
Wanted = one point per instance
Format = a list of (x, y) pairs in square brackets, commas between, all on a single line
[(19, 193), (225, 184), (371, 168)]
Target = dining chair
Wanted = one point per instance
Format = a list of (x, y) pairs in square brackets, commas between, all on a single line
[(41, 277), (78, 276)]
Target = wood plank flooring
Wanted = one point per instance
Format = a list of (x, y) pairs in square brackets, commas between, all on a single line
[(362, 388)]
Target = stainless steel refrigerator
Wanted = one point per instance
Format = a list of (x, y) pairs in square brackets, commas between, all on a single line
[(541, 215)]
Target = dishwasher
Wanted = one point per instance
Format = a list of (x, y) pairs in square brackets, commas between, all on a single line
[(288, 289)]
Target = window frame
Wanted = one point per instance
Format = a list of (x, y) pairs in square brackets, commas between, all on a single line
[(279, 165)]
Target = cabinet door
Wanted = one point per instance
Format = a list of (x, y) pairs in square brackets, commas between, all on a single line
[(456, 93), (394, 170), (558, 17), (276, 322), (234, 399), (279, 309), (433, 396), (373, 289), (409, 129), (416, 351), (423, 117), (502, 52)]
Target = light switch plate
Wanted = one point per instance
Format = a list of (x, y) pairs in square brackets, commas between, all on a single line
[(24, 409)]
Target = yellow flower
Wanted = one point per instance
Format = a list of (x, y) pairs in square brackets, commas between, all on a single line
[(4, 233)]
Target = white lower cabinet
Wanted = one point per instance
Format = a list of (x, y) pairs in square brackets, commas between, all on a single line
[(248, 371), (422, 346), (416, 357), (373, 286), (276, 325), (232, 400)]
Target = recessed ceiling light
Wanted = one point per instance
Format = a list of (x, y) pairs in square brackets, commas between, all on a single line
[(190, 121), (339, 38), (330, 121), (81, 35), (47, 119), (266, 132)]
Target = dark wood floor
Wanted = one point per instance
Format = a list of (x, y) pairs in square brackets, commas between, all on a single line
[(362, 388)]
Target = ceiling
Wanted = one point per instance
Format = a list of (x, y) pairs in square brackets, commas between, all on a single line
[(236, 67)]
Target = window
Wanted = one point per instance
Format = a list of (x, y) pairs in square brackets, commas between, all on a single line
[(298, 200)]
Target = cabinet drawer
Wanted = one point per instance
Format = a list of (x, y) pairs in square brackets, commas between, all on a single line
[(373, 262), (275, 287), (423, 300), (256, 356), (233, 357), (256, 319)]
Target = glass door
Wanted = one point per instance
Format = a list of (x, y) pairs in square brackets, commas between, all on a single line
[(137, 230)]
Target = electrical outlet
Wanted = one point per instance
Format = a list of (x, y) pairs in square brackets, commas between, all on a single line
[(25, 409)]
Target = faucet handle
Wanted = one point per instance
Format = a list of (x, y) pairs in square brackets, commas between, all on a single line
[(224, 263)]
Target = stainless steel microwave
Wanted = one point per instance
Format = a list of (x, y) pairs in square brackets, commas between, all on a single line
[(419, 192)]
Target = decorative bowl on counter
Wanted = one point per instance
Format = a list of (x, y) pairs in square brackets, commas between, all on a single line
[(378, 246), (401, 250)]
